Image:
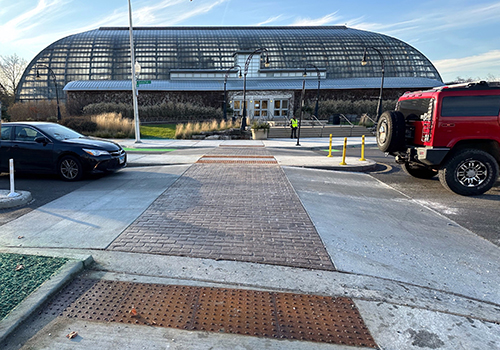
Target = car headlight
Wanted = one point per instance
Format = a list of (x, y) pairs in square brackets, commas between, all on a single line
[(96, 152)]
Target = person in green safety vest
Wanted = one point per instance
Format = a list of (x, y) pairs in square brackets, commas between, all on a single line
[(294, 124)]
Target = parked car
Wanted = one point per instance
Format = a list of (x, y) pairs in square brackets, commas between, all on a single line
[(41, 147), (451, 131)]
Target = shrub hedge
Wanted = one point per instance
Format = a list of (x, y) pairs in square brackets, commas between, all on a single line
[(165, 112)]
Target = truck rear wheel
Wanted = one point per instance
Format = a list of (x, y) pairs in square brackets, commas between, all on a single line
[(391, 132), (469, 172), (418, 171)]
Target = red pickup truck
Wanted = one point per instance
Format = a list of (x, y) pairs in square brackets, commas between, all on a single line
[(450, 131)]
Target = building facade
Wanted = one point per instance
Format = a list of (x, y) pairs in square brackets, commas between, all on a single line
[(202, 60)]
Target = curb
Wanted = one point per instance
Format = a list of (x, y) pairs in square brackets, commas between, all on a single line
[(11, 202), (352, 168), (36, 299)]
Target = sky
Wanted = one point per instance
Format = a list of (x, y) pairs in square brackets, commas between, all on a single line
[(459, 37)]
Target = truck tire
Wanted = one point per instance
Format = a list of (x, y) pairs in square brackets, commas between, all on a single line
[(391, 132), (469, 172), (418, 171)]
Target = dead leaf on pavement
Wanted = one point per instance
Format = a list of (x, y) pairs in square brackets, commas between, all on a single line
[(133, 311), (71, 335)]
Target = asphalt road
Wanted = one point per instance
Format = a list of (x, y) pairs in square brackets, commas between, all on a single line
[(478, 214)]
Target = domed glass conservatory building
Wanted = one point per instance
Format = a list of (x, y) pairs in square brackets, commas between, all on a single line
[(199, 60)]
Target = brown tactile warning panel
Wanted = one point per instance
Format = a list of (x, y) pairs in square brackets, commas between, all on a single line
[(222, 310), (99, 302), (236, 161), (239, 156)]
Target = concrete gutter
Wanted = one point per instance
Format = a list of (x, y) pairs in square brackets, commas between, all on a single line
[(36, 299)]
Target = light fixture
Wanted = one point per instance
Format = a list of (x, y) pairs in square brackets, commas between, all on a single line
[(363, 60), (137, 68)]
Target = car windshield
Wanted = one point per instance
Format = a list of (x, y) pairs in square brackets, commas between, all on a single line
[(59, 132)]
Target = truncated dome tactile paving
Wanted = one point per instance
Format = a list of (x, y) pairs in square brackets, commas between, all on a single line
[(222, 310)]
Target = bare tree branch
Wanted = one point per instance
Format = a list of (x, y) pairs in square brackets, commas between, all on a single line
[(11, 70)]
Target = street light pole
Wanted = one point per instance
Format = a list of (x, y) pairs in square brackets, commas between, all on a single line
[(51, 72), (245, 72), (301, 104), (225, 91), (317, 93), (134, 79), (364, 62)]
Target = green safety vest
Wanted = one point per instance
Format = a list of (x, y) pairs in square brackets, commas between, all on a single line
[(294, 122)]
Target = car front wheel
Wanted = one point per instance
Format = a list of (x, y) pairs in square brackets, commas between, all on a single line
[(70, 168), (469, 172)]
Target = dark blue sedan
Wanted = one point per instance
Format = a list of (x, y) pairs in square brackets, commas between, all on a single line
[(40, 147)]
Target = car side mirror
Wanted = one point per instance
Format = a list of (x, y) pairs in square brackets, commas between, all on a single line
[(41, 139)]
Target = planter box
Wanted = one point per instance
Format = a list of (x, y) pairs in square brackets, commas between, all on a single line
[(259, 134)]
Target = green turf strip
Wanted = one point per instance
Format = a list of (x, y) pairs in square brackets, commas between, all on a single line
[(15, 286)]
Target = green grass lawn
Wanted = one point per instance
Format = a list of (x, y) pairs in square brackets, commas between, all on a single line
[(158, 131), (20, 275)]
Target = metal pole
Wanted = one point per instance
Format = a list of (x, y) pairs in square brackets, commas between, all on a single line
[(382, 62), (134, 80), (224, 105), (317, 99), (50, 73), (11, 171), (330, 148), (301, 108), (343, 152), (244, 117), (57, 96), (362, 149), (379, 106), (245, 72), (225, 101)]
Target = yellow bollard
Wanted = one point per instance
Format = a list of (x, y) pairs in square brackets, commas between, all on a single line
[(343, 152), (362, 149), (330, 153)]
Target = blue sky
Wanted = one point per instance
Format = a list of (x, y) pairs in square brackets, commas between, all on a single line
[(460, 37)]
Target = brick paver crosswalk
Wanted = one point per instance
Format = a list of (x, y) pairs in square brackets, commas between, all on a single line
[(226, 211)]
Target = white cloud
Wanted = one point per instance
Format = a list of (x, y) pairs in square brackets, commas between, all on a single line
[(328, 19), (43, 12), (437, 20), (270, 20), (489, 60)]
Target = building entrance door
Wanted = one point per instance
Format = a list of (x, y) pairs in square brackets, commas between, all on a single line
[(260, 109)]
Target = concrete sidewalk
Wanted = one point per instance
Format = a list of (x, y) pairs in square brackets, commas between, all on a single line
[(419, 280)]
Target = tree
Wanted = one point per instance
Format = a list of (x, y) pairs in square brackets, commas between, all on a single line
[(11, 69)]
